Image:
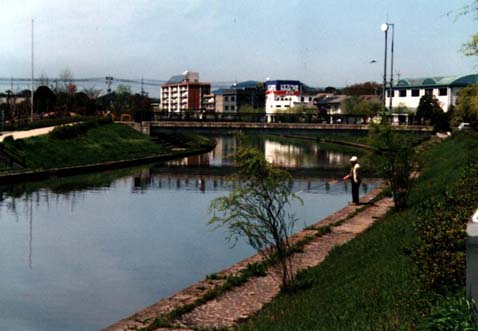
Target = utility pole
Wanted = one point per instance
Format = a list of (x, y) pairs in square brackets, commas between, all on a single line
[(33, 72), (142, 88), (109, 81)]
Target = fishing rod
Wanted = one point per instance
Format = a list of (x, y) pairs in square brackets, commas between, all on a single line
[(320, 185)]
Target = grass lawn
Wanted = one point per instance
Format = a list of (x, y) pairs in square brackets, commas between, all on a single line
[(370, 283), (109, 142)]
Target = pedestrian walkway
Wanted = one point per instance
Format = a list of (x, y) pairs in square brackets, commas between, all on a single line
[(26, 134), (244, 301)]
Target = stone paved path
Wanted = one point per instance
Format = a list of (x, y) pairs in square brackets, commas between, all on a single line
[(245, 300)]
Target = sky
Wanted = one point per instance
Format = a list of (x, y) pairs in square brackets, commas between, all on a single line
[(320, 42)]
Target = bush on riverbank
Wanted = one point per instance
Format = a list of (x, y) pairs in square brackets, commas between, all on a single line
[(74, 131), (372, 282), (441, 219), (453, 314)]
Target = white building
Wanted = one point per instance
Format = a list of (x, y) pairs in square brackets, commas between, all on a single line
[(282, 95), (407, 92)]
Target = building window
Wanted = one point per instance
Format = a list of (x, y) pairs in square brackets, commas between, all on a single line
[(278, 106), (226, 98), (415, 92), (443, 91), (302, 99), (287, 106), (402, 93), (429, 91), (233, 98), (232, 107), (226, 107)]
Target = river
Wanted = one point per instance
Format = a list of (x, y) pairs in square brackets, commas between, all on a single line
[(82, 252)]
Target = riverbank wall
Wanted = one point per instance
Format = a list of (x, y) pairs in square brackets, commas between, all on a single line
[(33, 175)]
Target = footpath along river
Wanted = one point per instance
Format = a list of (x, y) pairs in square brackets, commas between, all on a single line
[(82, 252)]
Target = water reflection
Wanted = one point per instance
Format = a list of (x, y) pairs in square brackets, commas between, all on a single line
[(79, 253), (291, 154)]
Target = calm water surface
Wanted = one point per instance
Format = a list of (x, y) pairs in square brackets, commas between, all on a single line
[(80, 253)]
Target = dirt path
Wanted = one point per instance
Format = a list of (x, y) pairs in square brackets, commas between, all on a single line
[(245, 300)]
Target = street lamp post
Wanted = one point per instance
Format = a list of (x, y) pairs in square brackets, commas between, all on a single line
[(391, 65), (384, 28)]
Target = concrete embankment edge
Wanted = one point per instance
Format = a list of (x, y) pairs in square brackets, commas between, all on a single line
[(95, 167), (196, 291)]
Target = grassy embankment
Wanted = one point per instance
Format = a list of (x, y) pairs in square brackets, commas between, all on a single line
[(92, 142), (374, 282)]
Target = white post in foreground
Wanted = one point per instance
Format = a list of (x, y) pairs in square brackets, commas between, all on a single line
[(472, 258)]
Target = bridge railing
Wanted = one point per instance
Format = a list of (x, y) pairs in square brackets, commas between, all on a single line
[(278, 118)]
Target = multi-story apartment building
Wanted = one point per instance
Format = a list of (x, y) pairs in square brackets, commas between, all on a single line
[(184, 92), (230, 100), (407, 92), (282, 95)]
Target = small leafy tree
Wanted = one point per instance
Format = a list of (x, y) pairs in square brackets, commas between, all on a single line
[(356, 106), (429, 111), (257, 209), (470, 48), (466, 109), (393, 156)]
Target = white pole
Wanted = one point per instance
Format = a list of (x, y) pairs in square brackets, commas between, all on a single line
[(33, 84)]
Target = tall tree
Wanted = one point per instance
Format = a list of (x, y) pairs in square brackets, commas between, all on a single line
[(66, 79), (366, 88)]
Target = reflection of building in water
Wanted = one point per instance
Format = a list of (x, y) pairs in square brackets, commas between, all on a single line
[(142, 181), (280, 155), (191, 161), (225, 147), (335, 158)]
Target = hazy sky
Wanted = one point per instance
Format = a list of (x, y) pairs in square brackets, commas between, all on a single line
[(321, 42)]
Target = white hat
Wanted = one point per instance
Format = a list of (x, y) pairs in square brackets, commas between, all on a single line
[(353, 159)]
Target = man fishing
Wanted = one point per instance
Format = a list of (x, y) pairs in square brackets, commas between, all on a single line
[(354, 176)]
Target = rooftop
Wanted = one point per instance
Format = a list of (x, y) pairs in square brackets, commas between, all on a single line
[(438, 81)]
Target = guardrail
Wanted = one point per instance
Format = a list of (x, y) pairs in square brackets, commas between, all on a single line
[(187, 116), (472, 258)]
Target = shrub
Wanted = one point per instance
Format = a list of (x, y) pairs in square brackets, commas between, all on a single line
[(441, 227), (256, 209), (455, 314), (394, 156), (74, 131)]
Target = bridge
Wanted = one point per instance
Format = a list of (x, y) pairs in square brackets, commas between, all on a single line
[(150, 127)]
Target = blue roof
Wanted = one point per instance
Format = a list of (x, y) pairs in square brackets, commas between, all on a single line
[(438, 81), (176, 79), (222, 91), (246, 84)]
